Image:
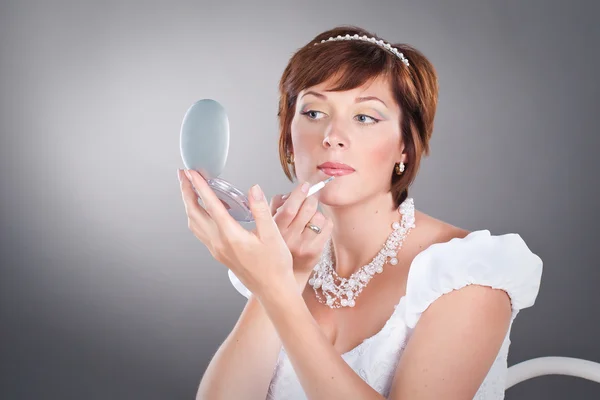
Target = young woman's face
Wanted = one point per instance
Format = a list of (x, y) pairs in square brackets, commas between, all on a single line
[(353, 128)]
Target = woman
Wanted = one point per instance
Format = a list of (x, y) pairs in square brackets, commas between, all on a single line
[(331, 312)]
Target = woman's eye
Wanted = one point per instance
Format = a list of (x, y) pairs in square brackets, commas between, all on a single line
[(373, 120), (311, 114), (362, 118)]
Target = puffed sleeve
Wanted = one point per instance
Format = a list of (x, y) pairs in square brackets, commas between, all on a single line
[(499, 261), (238, 285)]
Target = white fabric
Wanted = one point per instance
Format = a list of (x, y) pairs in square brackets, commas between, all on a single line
[(500, 261)]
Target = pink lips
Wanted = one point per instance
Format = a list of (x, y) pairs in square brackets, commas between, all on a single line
[(335, 168)]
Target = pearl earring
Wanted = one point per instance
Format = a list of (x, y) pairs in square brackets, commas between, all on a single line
[(399, 168)]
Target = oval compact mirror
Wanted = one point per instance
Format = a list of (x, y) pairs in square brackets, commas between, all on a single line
[(204, 144)]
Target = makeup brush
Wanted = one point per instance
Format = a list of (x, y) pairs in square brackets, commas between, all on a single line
[(318, 186)]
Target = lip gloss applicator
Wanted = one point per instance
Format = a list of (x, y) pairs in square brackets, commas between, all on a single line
[(318, 186)]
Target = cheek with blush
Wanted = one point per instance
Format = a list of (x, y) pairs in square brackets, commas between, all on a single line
[(305, 162), (380, 160)]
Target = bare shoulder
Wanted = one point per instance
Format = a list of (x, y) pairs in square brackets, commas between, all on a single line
[(433, 230), (472, 298)]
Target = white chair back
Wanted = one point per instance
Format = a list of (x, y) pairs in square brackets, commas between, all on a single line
[(552, 366)]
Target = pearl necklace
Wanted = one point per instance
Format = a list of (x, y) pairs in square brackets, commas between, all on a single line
[(334, 287)]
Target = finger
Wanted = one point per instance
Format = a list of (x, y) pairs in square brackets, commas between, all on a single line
[(305, 214), (196, 214), (276, 202), (292, 205), (265, 225), (317, 219), (318, 241), (326, 230), (213, 205)]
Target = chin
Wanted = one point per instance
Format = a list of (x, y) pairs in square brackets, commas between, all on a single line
[(336, 197)]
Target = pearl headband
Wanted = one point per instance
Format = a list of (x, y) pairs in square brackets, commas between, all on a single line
[(379, 43)]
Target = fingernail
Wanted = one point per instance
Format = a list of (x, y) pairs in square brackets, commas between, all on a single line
[(285, 196), (257, 192), (304, 187), (179, 174), (188, 174)]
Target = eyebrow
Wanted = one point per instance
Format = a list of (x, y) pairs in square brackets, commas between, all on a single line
[(358, 99)]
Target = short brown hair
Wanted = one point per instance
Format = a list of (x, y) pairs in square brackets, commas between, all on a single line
[(415, 89)]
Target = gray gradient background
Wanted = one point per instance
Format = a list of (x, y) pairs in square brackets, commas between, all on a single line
[(106, 294)]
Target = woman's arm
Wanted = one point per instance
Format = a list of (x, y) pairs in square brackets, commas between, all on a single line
[(448, 356), (454, 345), (322, 372), (246, 357), (263, 262), (243, 365)]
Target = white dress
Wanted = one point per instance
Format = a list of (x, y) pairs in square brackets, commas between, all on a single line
[(500, 261)]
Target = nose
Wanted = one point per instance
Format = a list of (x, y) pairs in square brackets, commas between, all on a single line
[(335, 138)]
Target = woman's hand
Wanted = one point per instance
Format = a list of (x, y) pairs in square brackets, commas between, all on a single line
[(260, 259), (292, 214)]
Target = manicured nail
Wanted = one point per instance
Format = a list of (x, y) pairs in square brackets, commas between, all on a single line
[(179, 174), (304, 187), (188, 174), (257, 192), (285, 196)]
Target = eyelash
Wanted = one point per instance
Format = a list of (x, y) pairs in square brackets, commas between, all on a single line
[(368, 116)]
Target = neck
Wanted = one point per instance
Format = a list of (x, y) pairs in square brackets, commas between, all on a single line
[(360, 231)]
